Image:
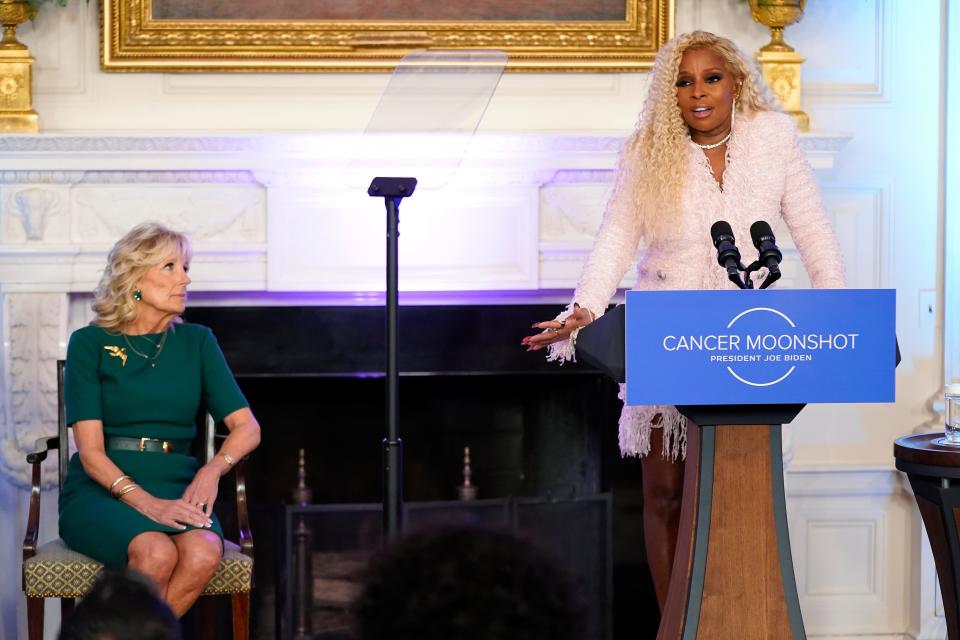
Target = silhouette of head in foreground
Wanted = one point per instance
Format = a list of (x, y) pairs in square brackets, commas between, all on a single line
[(121, 605), (466, 584)]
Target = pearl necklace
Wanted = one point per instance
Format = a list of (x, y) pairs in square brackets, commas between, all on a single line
[(715, 144)]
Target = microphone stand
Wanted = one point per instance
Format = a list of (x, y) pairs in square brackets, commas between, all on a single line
[(734, 277), (392, 190), (731, 263), (772, 275)]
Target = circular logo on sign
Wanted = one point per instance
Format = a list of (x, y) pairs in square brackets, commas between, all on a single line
[(763, 383)]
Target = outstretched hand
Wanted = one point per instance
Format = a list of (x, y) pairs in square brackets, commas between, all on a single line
[(557, 330)]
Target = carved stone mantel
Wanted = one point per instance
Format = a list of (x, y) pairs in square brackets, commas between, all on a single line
[(271, 215), (65, 198)]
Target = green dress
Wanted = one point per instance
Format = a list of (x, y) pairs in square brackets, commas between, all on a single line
[(138, 398)]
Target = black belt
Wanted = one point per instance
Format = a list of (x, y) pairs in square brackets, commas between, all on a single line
[(124, 443)]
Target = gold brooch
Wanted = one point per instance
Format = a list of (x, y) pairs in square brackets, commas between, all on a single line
[(118, 352)]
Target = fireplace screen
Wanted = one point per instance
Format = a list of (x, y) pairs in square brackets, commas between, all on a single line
[(326, 548)]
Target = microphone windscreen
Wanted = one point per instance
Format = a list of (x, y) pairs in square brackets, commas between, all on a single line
[(760, 230), (718, 229)]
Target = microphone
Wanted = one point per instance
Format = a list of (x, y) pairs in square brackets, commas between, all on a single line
[(769, 254), (728, 256)]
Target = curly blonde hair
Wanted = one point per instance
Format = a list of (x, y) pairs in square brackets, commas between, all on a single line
[(141, 248), (653, 159)]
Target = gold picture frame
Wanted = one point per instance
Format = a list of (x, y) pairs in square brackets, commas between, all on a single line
[(133, 39)]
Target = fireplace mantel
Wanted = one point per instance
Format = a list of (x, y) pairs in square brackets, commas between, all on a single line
[(273, 221), (272, 212)]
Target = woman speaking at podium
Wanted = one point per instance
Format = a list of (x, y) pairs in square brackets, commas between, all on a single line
[(711, 144)]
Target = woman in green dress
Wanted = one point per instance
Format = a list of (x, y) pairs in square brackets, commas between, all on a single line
[(134, 382)]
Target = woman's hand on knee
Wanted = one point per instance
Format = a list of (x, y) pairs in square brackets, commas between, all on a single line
[(172, 513), (202, 491)]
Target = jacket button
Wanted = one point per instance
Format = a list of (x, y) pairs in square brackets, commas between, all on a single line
[(661, 274)]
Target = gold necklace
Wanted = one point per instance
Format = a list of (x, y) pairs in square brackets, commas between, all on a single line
[(157, 345)]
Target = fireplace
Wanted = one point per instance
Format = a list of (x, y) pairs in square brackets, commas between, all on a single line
[(314, 378), (273, 225)]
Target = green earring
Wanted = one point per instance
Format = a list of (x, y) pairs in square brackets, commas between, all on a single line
[(137, 295)]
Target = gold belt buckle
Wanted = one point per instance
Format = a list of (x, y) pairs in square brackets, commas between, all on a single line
[(165, 445)]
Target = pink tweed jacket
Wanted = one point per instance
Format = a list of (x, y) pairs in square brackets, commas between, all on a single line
[(766, 178)]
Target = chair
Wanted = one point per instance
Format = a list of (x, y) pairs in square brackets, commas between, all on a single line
[(52, 570)]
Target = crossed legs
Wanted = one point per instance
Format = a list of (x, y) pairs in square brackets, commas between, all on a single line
[(179, 565)]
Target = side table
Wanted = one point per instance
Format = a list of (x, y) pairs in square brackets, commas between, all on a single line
[(934, 472)]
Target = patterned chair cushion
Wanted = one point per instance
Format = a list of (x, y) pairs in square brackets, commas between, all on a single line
[(56, 571), (59, 572), (235, 573)]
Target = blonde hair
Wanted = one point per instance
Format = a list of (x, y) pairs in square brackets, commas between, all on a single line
[(653, 160), (142, 247)]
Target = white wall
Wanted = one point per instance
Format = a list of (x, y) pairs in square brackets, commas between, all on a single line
[(873, 70), (71, 93)]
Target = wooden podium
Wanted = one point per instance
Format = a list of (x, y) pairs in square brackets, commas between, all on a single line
[(732, 575), (733, 571)]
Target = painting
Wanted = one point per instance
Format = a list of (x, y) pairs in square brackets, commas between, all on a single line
[(372, 35)]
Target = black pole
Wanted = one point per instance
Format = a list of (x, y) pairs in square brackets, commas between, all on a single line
[(392, 190), (392, 444)]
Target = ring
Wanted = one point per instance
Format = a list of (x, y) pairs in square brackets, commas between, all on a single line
[(563, 323)]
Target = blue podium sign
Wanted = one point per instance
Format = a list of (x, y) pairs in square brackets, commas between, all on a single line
[(760, 347)]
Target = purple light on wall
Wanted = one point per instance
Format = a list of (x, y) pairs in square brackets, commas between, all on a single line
[(377, 298)]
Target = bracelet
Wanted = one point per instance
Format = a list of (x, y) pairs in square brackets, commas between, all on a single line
[(127, 489), (227, 458), (113, 485)]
